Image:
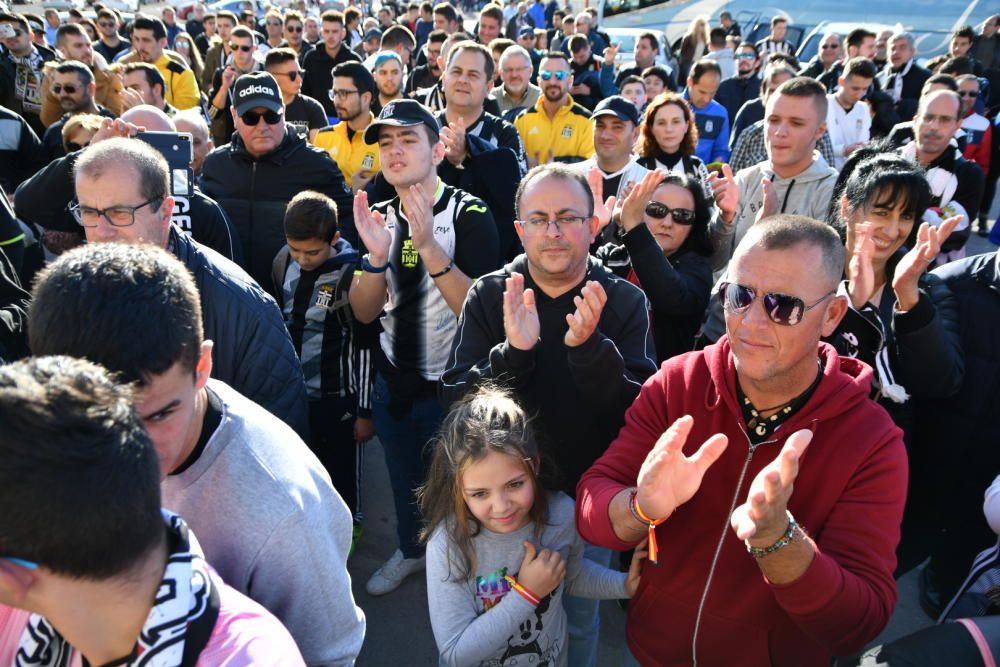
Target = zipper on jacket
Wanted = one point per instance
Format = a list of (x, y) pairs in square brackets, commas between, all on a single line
[(253, 186), (722, 539)]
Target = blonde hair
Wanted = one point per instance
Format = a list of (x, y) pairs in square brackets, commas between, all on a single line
[(81, 121)]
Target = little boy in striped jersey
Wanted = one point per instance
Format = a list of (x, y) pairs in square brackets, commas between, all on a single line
[(312, 275)]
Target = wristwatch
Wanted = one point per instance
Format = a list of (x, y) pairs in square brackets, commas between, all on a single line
[(792, 533)]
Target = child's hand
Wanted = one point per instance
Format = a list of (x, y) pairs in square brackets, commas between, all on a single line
[(541, 572), (632, 581)]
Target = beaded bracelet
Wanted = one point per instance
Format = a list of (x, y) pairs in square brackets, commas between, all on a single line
[(640, 516), (525, 593)]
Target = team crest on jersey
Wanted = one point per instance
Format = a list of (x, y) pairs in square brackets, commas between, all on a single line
[(709, 124), (567, 131), (368, 163), (410, 254), (324, 297)]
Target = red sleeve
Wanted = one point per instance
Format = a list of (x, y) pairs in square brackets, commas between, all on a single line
[(618, 468), (847, 595)]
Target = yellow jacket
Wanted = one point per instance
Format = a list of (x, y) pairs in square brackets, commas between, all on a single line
[(569, 134), (182, 87), (351, 154)]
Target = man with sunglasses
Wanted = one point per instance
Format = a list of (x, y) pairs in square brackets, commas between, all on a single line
[(301, 111), (556, 128), (242, 59), (294, 31), (568, 337), (109, 43), (742, 87), (319, 63), (21, 70), (978, 129), (256, 174), (706, 464), (72, 84), (74, 44)]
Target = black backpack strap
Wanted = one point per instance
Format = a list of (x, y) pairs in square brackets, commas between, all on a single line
[(278, 267)]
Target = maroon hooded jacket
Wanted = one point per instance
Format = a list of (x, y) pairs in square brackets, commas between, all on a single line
[(848, 496)]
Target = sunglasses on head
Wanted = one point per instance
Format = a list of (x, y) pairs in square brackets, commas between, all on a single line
[(69, 88), (241, 47), (659, 210), (780, 308), (253, 117), (560, 76)]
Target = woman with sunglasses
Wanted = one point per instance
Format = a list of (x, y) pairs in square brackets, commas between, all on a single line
[(665, 251), (668, 138), (185, 46)]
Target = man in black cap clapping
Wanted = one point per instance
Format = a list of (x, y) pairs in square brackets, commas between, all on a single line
[(616, 129), (423, 248), (256, 174)]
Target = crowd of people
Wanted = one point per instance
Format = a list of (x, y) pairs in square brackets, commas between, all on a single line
[(697, 331)]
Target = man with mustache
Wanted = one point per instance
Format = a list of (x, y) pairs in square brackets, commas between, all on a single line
[(566, 336)]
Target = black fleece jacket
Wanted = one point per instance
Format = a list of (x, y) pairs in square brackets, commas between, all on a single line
[(579, 394)]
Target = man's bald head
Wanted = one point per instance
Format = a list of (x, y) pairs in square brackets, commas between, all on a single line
[(153, 119), (927, 99)]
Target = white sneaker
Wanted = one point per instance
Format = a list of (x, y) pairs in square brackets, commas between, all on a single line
[(388, 577)]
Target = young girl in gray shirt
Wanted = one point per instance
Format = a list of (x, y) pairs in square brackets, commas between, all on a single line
[(499, 546)]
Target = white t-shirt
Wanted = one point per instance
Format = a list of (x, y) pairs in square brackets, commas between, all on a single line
[(846, 127)]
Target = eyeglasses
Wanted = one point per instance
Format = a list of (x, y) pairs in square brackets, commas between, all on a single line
[(17, 31), (293, 28), (562, 223), (245, 48), (830, 46), (253, 117), (69, 89), (72, 146), (292, 76), (780, 308), (969, 93), (659, 210), (560, 76), (107, 24), (341, 94), (117, 216)]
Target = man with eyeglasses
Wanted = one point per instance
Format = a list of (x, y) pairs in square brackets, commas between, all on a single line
[(556, 128), (956, 183), (109, 43), (706, 464), (353, 90), (319, 63), (516, 92), (427, 75), (124, 201), (302, 112), (742, 87), (256, 174), (568, 337), (242, 60), (423, 249), (21, 70)]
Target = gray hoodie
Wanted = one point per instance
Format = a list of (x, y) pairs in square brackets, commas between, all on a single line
[(806, 194)]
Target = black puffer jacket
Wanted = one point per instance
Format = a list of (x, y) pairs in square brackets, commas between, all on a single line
[(255, 192), (253, 352)]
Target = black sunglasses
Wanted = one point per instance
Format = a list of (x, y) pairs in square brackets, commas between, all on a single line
[(292, 76), (241, 47), (69, 88), (969, 93), (253, 117), (780, 308), (291, 28), (659, 210)]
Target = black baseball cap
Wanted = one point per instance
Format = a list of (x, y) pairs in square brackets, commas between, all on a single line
[(402, 113), (256, 89), (617, 106)]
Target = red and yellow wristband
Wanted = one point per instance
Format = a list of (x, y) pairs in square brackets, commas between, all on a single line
[(640, 516), (524, 592)]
